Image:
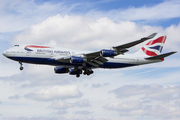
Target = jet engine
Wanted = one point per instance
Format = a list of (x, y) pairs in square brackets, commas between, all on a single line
[(77, 60), (60, 70), (73, 72), (108, 53)]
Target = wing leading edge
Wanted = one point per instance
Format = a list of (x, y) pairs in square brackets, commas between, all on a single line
[(131, 44), (97, 58)]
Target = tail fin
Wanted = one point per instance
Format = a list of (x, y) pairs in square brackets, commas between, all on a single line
[(153, 47)]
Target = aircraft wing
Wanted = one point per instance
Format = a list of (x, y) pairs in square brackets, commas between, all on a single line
[(131, 44), (93, 58), (121, 48), (96, 58)]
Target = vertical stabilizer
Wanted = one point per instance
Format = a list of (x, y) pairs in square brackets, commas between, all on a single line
[(153, 47)]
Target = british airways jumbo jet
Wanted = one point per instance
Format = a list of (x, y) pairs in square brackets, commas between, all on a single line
[(78, 62)]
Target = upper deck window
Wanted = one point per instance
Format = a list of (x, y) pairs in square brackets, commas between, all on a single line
[(16, 45)]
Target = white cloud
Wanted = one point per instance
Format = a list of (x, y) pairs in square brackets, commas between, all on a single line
[(152, 100), (96, 85), (25, 77), (162, 11), (67, 31), (97, 34), (173, 37), (137, 108), (14, 97), (64, 105), (55, 92), (18, 15), (83, 103), (34, 118), (153, 91), (125, 106), (55, 118), (9, 66), (61, 112), (83, 112)]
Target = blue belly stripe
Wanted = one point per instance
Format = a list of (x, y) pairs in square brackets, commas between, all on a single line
[(52, 61)]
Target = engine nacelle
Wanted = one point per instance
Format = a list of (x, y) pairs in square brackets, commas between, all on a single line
[(77, 60), (108, 53), (73, 72), (61, 70)]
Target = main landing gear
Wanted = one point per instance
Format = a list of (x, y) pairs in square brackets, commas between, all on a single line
[(21, 67), (87, 71), (77, 75)]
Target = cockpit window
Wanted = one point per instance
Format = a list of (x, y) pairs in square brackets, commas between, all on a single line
[(16, 45)]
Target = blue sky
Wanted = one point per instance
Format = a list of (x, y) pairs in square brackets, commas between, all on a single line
[(105, 4), (143, 92), (82, 7)]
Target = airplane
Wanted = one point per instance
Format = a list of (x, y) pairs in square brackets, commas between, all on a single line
[(77, 62)]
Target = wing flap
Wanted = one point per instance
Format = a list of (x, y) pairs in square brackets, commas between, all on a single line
[(97, 61), (103, 60), (93, 64), (63, 59)]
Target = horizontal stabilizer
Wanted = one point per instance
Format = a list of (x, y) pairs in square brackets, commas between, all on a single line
[(160, 56)]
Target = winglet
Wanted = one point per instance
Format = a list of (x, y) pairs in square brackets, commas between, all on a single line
[(160, 56)]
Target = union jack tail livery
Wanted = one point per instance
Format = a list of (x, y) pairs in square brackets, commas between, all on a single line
[(153, 47)]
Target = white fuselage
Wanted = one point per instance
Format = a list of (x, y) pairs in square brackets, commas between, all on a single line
[(48, 55)]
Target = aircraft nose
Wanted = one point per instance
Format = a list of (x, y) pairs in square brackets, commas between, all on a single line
[(4, 53)]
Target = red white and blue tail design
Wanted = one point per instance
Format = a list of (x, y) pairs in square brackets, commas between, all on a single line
[(153, 47)]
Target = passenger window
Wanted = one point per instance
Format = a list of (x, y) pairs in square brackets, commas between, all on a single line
[(16, 45)]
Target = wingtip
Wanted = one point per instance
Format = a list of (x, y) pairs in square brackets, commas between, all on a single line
[(174, 52), (152, 35), (170, 53)]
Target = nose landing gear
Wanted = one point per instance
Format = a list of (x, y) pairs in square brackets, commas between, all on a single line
[(21, 67)]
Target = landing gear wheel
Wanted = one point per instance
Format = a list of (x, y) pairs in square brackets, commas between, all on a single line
[(88, 72), (21, 68), (78, 75), (92, 72), (85, 73)]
